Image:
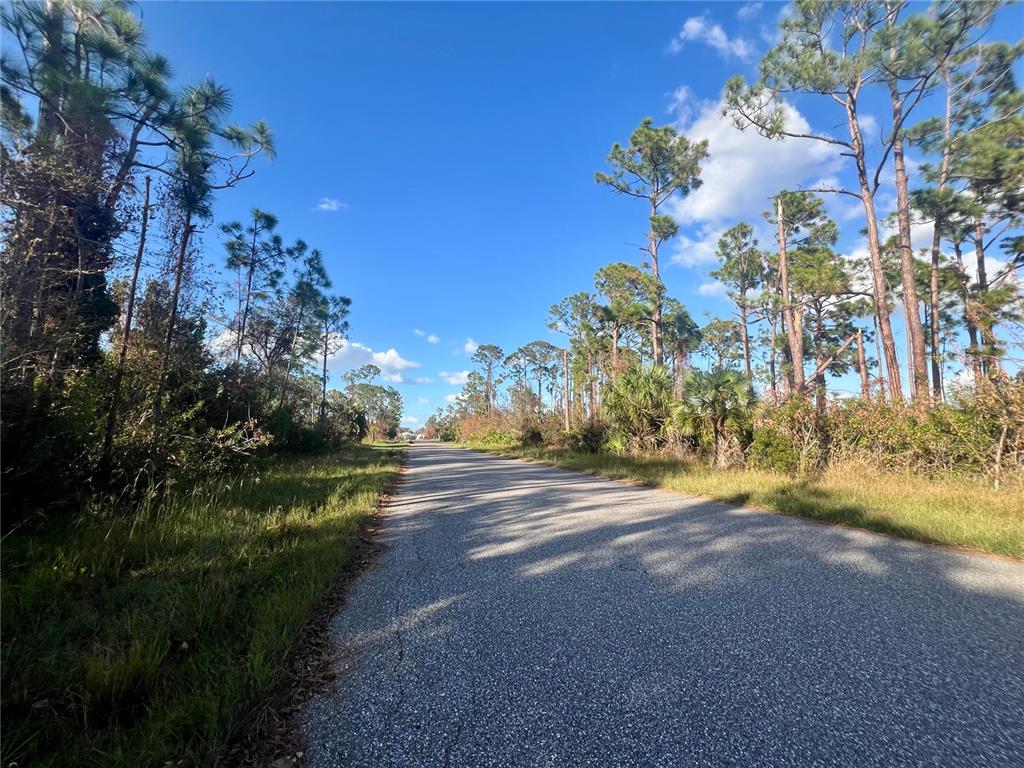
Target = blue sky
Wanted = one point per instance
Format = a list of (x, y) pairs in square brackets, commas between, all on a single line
[(442, 155)]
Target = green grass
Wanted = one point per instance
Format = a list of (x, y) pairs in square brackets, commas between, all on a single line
[(134, 641), (954, 512)]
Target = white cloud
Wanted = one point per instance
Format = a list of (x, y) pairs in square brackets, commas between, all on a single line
[(423, 400), (743, 169), (690, 252), (450, 398), (432, 338), (749, 11), (352, 354), (410, 421), (469, 347), (869, 126), (422, 380), (681, 103), (456, 379), (702, 29), (330, 204), (713, 288)]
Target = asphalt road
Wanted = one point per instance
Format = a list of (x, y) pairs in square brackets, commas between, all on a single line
[(528, 616)]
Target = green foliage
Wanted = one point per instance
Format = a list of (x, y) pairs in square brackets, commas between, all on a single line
[(140, 640), (715, 409), (772, 452), (589, 437), (638, 404), (531, 436)]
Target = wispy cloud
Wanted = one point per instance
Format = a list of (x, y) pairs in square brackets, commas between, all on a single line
[(469, 347), (456, 379), (713, 288), (423, 400), (330, 204), (432, 338), (680, 103), (450, 398), (748, 11), (702, 30)]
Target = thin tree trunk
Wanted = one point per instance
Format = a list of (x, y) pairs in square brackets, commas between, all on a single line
[(565, 388), (915, 332), (744, 330), (862, 366), (888, 343), (772, 354), (794, 334), (593, 385), (179, 271), (323, 396), (115, 395), (878, 358), (656, 323), (820, 362), (933, 278)]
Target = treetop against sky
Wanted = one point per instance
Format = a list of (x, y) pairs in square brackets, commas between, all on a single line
[(442, 156)]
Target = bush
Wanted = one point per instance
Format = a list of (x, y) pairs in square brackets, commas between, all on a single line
[(531, 436), (589, 437), (639, 407), (773, 452)]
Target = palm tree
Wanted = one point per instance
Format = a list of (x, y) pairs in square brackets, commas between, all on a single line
[(714, 403), (639, 406)]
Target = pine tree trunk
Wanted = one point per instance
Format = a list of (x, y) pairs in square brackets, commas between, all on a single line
[(115, 395), (744, 330), (878, 285), (862, 366), (936, 253), (915, 332), (656, 322), (565, 388), (794, 333), (179, 272)]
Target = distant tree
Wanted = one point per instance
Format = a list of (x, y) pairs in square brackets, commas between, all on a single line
[(683, 337), (489, 355), (658, 163), (721, 342), (742, 271), (256, 255), (629, 297), (331, 314), (800, 223)]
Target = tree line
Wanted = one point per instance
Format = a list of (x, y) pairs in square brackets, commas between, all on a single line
[(805, 312), (131, 354)]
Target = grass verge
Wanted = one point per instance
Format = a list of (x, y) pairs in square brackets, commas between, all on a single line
[(143, 640), (953, 512)]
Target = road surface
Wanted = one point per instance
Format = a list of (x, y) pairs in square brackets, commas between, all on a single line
[(527, 616)]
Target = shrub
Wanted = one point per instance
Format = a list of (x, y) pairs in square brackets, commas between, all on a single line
[(795, 421), (531, 436), (589, 437), (639, 407), (773, 452)]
